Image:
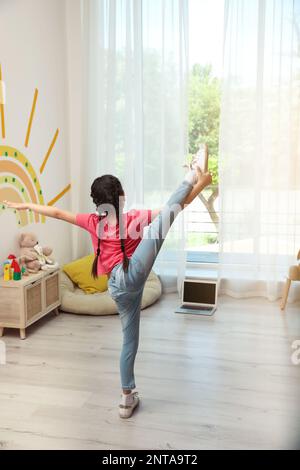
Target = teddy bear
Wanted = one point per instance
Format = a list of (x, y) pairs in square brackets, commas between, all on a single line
[(33, 255), (294, 273)]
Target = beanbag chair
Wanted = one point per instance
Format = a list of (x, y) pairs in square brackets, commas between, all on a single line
[(75, 300)]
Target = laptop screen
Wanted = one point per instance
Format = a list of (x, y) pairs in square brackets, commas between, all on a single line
[(199, 293)]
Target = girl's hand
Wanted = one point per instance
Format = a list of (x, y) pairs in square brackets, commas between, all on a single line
[(20, 206)]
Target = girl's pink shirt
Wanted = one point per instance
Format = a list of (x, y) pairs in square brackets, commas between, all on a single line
[(111, 254)]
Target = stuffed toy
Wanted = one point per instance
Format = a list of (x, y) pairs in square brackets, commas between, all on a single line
[(294, 272), (34, 255)]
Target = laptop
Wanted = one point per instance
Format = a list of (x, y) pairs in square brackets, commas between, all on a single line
[(199, 297)]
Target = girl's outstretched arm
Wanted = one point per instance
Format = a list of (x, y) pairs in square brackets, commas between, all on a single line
[(48, 211)]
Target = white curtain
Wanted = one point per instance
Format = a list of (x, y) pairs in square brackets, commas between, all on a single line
[(134, 113), (260, 147)]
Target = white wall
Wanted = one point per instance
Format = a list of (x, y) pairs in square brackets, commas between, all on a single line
[(33, 47)]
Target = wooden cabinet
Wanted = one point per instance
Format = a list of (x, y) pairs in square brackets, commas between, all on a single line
[(26, 301)]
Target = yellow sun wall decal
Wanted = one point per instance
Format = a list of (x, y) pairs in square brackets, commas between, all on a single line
[(18, 179)]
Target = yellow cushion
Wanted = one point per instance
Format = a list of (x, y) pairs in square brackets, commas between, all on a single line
[(79, 272)]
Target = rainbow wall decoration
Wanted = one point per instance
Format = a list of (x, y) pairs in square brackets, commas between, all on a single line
[(18, 179)]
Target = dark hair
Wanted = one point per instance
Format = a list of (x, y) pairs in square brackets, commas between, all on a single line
[(107, 190)]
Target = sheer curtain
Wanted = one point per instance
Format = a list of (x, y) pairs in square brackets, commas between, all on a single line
[(259, 147), (135, 116)]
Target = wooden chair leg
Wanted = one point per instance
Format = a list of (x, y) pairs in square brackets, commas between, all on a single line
[(1, 331), (22, 333), (285, 293)]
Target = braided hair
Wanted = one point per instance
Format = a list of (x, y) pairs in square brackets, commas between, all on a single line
[(106, 192)]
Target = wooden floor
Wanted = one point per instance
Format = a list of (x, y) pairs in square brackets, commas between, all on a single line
[(225, 382)]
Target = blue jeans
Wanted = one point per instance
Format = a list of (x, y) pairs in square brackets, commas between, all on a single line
[(126, 288)]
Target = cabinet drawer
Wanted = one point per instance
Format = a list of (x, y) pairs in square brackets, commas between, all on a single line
[(52, 289), (33, 300)]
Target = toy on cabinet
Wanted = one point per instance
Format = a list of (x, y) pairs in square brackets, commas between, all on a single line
[(6, 271), (13, 268), (35, 256), (10, 259), (23, 270), (16, 270)]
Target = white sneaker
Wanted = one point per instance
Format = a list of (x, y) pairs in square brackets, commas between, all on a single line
[(128, 403)]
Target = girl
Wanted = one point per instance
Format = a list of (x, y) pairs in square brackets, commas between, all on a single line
[(125, 255)]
